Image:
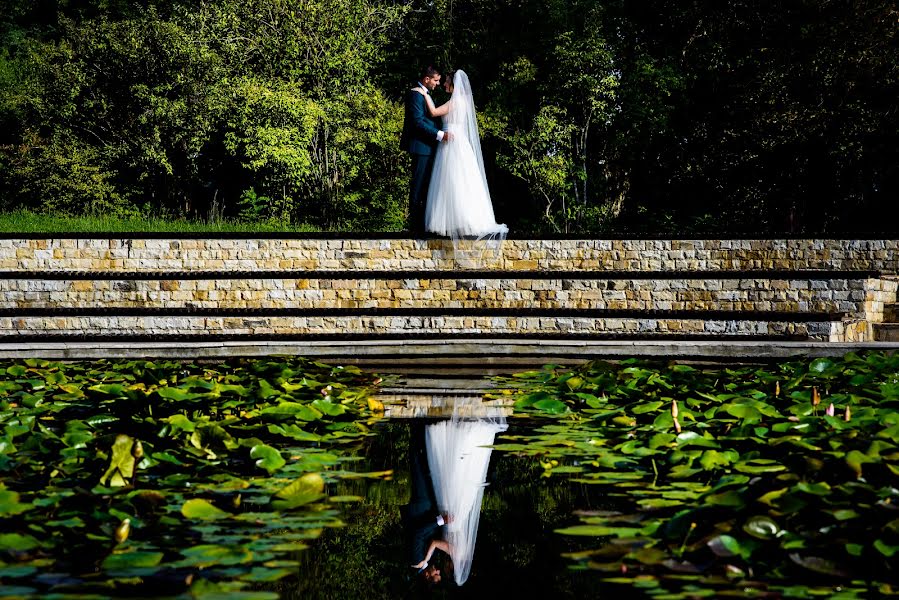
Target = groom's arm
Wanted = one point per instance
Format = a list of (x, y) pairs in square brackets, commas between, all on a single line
[(424, 127)]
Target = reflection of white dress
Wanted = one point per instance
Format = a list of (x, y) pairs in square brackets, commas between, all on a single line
[(458, 460), (458, 202)]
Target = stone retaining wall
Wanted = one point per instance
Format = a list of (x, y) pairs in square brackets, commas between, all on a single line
[(397, 254), (692, 286), (863, 298)]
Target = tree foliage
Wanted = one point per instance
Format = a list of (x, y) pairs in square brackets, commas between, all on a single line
[(596, 116)]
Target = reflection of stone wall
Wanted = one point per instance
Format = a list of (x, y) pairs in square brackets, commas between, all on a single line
[(822, 289), (256, 325), (393, 254)]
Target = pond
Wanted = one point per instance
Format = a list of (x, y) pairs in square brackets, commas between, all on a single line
[(288, 478)]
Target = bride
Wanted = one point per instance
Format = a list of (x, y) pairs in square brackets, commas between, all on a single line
[(458, 204), (458, 457)]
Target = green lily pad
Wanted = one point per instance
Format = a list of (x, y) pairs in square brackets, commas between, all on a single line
[(130, 560), (306, 489), (197, 508), (761, 527), (267, 457)]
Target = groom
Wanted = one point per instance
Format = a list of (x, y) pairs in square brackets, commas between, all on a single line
[(421, 134), (421, 519)]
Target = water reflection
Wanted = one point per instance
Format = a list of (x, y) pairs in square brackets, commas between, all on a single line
[(444, 511), (515, 554)]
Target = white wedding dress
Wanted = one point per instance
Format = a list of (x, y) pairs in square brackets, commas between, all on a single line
[(458, 204), (458, 457)]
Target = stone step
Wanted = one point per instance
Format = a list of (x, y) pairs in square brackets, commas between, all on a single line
[(495, 355), (35, 326), (255, 251), (857, 297)]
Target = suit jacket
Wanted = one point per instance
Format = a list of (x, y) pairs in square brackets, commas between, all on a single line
[(419, 128), (420, 515)]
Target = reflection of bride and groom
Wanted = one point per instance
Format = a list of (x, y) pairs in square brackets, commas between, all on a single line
[(449, 461), (449, 194)]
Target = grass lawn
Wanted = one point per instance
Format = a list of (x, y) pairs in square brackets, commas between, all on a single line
[(29, 222)]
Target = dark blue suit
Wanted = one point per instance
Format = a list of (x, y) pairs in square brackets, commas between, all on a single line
[(420, 515), (420, 140)]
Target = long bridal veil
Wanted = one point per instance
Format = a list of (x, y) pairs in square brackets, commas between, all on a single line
[(459, 204), (463, 117), (458, 457)]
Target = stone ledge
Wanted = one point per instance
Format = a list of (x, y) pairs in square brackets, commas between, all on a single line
[(437, 325), (404, 254), (483, 352), (858, 297)]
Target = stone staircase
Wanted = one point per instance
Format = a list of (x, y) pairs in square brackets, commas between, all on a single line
[(393, 289)]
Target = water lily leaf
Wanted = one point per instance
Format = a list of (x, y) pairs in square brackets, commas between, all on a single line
[(294, 432), (727, 498), (885, 549), (821, 488), (599, 531), (130, 560), (208, 555), (198, 508), (306, 489), (551, 406), (9, 503), (661, 439), (263, 574), (713, 459), (817, 564), (530, 399), (178, 394), (181, 422), (749, 414), (725, 545), (691, 438), (759, 466), (329, 408), (18, 542), (647, 407), (820, 365), (574, 383), (121, 466), (303, 412), (267, 457), (16, 370), (856, 459), (110, 389), (770, 498), (761, 527), (683, 472), (651, 503), (844, 514)]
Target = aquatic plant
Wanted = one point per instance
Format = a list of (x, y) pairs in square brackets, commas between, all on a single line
[(766, 476), (157, 478)]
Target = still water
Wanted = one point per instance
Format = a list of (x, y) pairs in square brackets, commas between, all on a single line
[(515, 553)]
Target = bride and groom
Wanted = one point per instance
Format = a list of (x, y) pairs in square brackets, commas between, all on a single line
[(448, 467), (449, 194)]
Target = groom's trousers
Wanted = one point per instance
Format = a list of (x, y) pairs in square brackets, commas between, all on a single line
[(422, 166)]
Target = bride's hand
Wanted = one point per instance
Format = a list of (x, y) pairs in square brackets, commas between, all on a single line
[(420, 91), (420, 565)]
